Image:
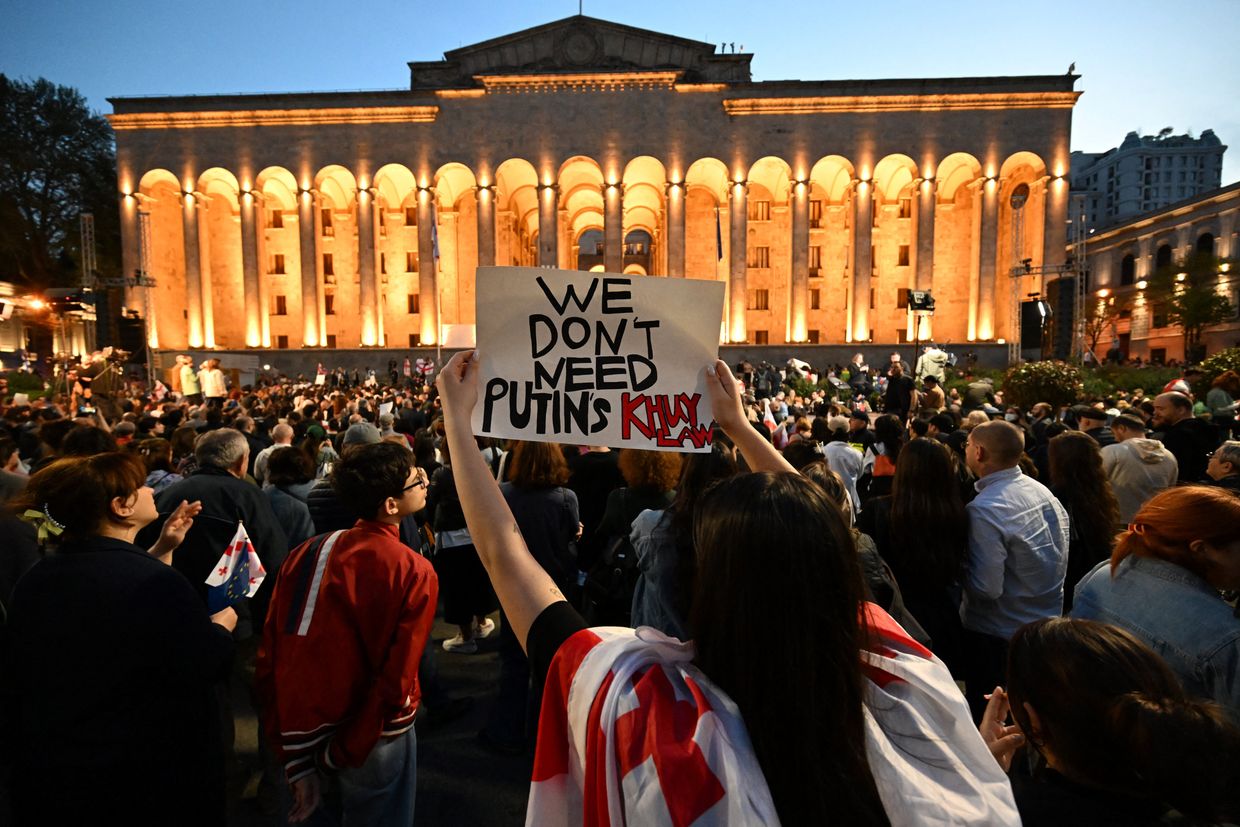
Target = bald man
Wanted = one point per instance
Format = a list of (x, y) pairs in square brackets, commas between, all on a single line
[(1017, 558), (283, 436), (1190, 439)]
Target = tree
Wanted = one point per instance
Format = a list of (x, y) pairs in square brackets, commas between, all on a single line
[(1189, 292), (1104, 314), (57, 160)]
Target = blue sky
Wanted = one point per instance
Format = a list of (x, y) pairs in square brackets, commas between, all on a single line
[(1145, 64)]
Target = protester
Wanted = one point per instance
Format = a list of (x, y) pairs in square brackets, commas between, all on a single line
[(211, 380), (1107, 740), (1222, 402), (1188, 438), (11, 481), (467, 594), (90, 717), (592, 475), (1136, 467), (157, 457), (901, 396), (1163, 581), (775, 552), (282, 436), (191, 390), (1079, 483), (1224, 466), (368, 613), (547, 515), (1018, 555), (922, 530), (288, 483), (1093, 423)]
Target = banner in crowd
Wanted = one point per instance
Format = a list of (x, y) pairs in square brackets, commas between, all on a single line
[(595, 358)]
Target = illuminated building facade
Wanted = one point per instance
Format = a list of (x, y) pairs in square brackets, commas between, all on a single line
[(358, 219)]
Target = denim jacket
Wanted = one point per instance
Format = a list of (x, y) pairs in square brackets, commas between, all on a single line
[(655, 598), (1179, 615)]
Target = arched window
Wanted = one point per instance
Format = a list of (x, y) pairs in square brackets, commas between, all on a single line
[(1128, 269), (590, 250), (1162, 258), (1205, 244), (637, 250)]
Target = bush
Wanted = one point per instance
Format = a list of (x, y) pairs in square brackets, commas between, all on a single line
[(22, 382), (1224, 360), (1057, 383)]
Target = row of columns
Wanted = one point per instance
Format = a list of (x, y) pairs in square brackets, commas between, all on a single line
[(199, 307)]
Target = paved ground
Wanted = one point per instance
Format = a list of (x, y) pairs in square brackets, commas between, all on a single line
[(459, 783)]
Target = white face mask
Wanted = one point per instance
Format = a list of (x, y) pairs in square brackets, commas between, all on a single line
[(1012, 417)]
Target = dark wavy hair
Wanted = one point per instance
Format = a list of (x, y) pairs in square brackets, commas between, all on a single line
[(698, 473), (1082, 486), (929, 525), (1117, 718), (889, 431), (369, 474), (775, 553)]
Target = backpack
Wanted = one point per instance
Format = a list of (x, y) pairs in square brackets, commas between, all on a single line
[(607, 594)]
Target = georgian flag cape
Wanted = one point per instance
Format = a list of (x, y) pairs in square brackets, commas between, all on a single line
[(632, 733), (237, 574)]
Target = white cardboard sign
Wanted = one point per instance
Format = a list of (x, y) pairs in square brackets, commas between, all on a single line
[(595, 358)]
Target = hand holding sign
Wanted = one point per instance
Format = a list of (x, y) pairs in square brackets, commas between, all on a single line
[(594, 358), (725, 391), (458, 386)]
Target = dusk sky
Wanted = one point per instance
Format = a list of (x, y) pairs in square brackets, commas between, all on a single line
[(1144, 64)]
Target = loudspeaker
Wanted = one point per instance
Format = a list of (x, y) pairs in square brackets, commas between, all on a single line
[(130, 335)]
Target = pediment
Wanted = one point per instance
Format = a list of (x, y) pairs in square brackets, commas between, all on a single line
[(579, 44)]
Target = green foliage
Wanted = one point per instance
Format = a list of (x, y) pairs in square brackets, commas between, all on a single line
[(20, 382), (1188, 291), (57, 161), (1057, 383), (1104, 380), (1222, 361)]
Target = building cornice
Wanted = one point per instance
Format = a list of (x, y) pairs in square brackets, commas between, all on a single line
[(578, 82), (1218, 200), (899, 103), (273, 117)]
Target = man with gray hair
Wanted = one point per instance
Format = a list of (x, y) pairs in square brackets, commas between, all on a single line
[(1017, 555), (219, 484), (283, 436), (1224, 467)]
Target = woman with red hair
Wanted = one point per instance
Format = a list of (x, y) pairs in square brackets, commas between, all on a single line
[(1163, 582)]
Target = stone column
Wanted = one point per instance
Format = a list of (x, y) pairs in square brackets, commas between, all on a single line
[(204, 269), (863, 223), (1055, 223), (924, 202), (249, 270), (988, 251), (548, 234), (485, 196), (308, 239), (260, 255), (613, 228), (193, 275), (738, 264), (675, 229), (428, 275), (564, 244), (368, 283), (798, 299)]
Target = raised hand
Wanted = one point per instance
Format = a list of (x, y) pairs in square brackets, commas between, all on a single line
[(1003, 739)]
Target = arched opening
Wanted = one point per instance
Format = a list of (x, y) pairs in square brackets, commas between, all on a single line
[(1163, 257), (279, 258), (706, 220), (398, 265), (1128, 270), (590, 249), (159, 197), (638, 250), (223, 284), (644, 179), (336, 226), (955, 277), (456, 220), (516, 201), (581, 198), (1205, 244)]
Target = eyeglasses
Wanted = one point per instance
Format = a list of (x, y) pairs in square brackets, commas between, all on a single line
[(420, 482)]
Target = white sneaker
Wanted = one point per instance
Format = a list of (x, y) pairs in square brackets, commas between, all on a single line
[(460, 645), (485, 628)]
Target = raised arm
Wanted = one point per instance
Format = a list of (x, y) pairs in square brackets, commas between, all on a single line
[(725, 406), (524, 589)]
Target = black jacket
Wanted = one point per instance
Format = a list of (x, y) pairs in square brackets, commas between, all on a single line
[(109, 680), (225, 501), (1190, 440)]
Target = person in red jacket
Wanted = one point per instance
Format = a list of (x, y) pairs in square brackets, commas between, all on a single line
[(338, 669)]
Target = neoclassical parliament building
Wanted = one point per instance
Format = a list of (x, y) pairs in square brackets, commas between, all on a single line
[(357, 219)]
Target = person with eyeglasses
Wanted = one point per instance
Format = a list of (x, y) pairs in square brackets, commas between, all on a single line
[(351, 614)]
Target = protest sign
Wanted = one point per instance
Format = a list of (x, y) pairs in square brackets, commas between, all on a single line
[(595, 358)]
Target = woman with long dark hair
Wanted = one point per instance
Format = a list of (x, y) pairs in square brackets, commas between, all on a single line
[(922, 530), (1121, 740), (769, 715), (1081, 486), (879, 465)]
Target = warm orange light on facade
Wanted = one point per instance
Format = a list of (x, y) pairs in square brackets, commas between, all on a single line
[(274, 117), (899, 103)]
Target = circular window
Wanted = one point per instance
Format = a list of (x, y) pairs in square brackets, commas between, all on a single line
[(1019, 196)]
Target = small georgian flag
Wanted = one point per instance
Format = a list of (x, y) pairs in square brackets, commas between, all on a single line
[(237, 575)]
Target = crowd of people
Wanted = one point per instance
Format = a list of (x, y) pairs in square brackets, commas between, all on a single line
[(950, 609)]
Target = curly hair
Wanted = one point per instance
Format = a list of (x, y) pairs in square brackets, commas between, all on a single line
[(1081, 484), (650, 470)]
